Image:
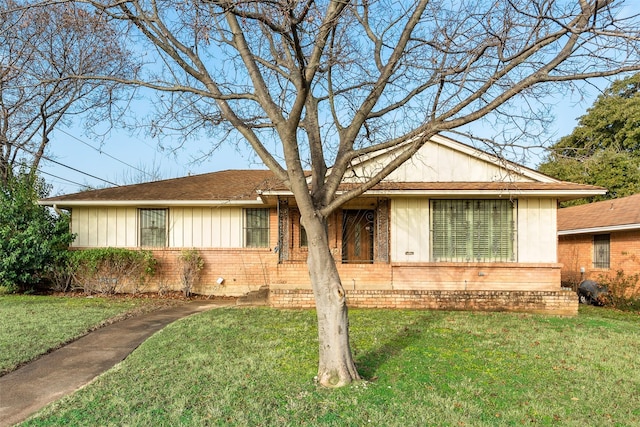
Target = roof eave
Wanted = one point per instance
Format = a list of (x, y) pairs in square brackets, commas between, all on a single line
[(144, 203), (562, 195), (601, 229)]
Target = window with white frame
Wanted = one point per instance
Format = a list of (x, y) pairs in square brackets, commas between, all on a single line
[(256, 228), (473, 230), (153, 227)]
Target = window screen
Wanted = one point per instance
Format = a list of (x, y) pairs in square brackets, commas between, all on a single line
[(473, 230), (601, 251), (256, 228), (153, 227)]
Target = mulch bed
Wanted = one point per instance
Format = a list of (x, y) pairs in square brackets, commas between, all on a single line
[(168, 296)]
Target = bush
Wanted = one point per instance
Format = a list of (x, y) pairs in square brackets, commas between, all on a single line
[(191, 263), (110, 270), (624, 290), (33, 239)]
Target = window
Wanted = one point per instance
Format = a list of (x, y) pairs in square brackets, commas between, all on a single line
[(256, 229), (153, 227), (298, 229), (473, 230), (304, 243), (601, 251)]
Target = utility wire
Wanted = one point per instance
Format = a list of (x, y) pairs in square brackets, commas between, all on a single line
[(103, 152), (64, 179), (79, 171), (70, 167)]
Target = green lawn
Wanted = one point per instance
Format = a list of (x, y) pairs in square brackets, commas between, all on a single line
[(32, 325), (255, 367)]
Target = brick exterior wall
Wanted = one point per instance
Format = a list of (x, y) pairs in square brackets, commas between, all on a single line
[(562, 302), (374, 285), (428, 276), (576, 251), (243, 270)]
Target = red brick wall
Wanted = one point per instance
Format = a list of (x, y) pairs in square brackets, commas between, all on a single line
[(625, 251), (354, 276), (243, 270), (559, 302), (576, 251), (428, 276)]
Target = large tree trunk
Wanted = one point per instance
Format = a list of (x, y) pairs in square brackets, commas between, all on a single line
[(336, 367)]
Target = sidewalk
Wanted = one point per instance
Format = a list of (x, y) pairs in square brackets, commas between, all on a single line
[(28, 389)]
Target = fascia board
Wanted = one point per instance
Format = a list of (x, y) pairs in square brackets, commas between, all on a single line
[(561, 194), (603, 229)]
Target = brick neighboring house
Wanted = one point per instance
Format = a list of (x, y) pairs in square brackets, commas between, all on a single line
[(599, 239), (452, 228)]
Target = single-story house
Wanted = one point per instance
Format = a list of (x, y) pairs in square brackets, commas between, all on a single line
[(454, 227), (599, 239)]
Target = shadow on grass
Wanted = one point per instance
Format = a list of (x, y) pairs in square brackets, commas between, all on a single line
[(369, 362)]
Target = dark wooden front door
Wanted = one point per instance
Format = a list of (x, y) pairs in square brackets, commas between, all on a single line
[(357, 236)]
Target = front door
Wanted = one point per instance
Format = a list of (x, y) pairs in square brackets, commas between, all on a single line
[(357, 236)]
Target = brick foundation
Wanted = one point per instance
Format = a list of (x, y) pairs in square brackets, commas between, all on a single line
[(564, 303)]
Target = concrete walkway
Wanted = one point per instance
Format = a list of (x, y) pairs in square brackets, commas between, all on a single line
[(30, 388)]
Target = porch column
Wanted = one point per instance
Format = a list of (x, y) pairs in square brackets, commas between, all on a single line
[(284, 227), (382, 231)]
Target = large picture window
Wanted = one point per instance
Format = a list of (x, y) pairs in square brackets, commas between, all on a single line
[(473, 230), (256, 230), (153, 228)]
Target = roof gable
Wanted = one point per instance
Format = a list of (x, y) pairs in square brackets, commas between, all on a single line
[(442, 159), (608, 215)]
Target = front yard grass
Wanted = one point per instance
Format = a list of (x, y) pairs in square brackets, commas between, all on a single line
[(32, 325), (255, 367)]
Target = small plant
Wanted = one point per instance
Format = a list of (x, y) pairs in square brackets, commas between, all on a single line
[(191, 264), (163, 288)]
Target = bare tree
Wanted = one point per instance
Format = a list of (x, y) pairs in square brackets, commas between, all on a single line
[(330, 82), (39, 48)]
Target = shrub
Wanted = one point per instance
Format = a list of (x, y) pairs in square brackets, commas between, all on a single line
[(624, 290), (32, 237), (191, 264), (111, 270)]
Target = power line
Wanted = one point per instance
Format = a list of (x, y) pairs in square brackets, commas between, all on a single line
[(64, 179), (69, 167), (103, 152), (79, 171)]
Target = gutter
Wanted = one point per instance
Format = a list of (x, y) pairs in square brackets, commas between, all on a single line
[(138, 203)]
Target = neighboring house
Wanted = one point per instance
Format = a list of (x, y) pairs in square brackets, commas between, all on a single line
[(599, 239), (454, 227)]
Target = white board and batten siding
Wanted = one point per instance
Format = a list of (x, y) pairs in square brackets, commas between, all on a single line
[(188, 227), (537, 239), (443, 161), (535, 233), (205, 227), (410, 239), (440, 163), (104, 227)]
